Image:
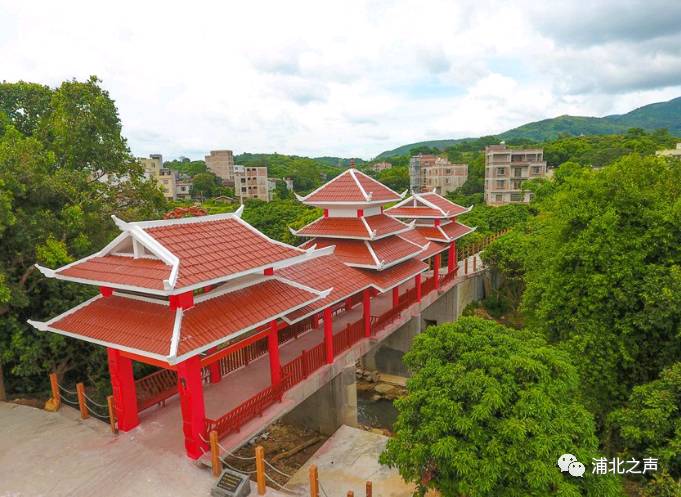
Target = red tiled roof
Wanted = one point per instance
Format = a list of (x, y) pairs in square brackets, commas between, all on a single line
[(346, 188), (147, 327), (393, 248), (336, 226), (137, 324), (388, 278), (216, 249), (409, 211), (445, 233), (432, 247), (377, 189), (384, 225), (456, 230), (325, 272), (116, 269), (348, 251), (221, 316), (449, 207)]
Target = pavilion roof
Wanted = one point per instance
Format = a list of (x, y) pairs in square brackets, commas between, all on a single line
[(325, 272), (426, 205), (371, 254), (444, 233), (361, 228), (177, 255), (149, 328), (430, 248), (349, 188), (396, 275)]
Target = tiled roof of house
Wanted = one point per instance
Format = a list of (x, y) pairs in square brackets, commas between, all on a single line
[(431, 247), (171, 256), (385, 225), (147, 326), (351, 186), (445, 233)]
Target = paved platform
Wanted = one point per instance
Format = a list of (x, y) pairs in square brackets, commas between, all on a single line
[(347, 461), (57, 454)]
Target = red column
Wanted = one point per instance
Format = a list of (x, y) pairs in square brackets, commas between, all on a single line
[(190, 386), (417, 280), (273, 349), (348, 303), (315, 320), (123, 387), (396, 296), (366, 304), (328, 335), (436, 270), (214, 368), (451, 258)]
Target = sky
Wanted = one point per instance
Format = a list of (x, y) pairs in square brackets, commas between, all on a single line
[(344, 78)]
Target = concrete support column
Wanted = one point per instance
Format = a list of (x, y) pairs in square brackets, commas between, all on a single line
[(436, 270), (417, 280), (190, 387), (273, 350), (451, 258), (214, 368), (328, 335), (366, 304), (123, 388), (396, 296)]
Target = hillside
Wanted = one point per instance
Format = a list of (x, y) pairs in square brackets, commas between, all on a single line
[(649, 117)]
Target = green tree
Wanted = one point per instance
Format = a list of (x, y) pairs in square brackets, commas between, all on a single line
[(603, 273), (650, 423), (60, 181), (396, 178), (205, 184), (488, 412)]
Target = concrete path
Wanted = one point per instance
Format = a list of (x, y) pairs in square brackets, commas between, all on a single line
[(347, 461), (56, 454)]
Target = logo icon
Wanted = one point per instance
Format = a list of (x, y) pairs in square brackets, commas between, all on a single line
[(565, 460), (569, 463)]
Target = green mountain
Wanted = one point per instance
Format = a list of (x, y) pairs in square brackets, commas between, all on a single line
[(649, 117)]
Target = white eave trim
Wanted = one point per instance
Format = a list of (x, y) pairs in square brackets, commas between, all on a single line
[(367, 196), (177, 331), (379, 264)]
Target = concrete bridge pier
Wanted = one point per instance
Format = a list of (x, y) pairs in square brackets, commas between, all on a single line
[(330, 407)]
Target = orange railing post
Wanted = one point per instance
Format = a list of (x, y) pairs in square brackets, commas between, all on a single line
[(369, 489), (260, 469), (351, 493), (80, 391), (56, 396), (314, 481), (215, 462), (112, 415)]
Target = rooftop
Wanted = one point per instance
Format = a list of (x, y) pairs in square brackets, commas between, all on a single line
[(349, 188), (427, 205)]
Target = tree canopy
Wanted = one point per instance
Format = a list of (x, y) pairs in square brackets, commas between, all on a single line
[(489, 411)]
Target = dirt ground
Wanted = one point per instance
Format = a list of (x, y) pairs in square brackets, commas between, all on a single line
[(276, 440)]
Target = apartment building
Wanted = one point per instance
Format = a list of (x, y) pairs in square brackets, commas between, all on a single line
[(429, 173), (221, 163), (380, 166), (505, 171), (166, 178), (251, 182), (672, 152)]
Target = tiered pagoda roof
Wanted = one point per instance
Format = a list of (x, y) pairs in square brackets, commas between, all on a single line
[(434, 217), (363, 237), (183, 286)]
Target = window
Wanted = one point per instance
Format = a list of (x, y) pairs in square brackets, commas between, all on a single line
[(500, 197), (501, 171), (516, 197), (501, 183), (535, 169), (518, 172)]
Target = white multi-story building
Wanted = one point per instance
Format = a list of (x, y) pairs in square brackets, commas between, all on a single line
[(505, 171), (429, 173)]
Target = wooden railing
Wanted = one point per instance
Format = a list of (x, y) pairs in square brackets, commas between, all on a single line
[(348, 336), (155, 388), (300, 368), (242, 414)]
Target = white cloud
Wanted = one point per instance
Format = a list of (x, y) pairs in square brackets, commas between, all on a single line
[(343, 78)]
